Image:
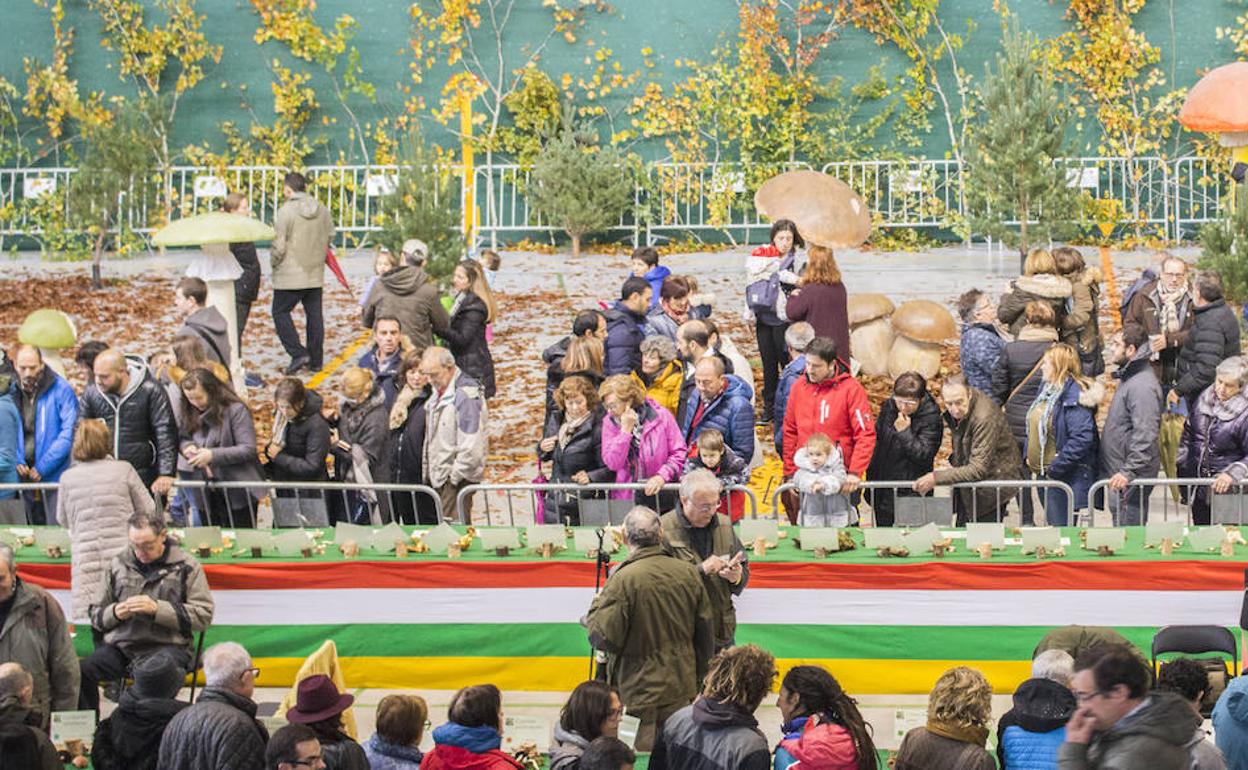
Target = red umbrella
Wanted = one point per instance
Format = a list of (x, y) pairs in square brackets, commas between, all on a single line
[(336, 269)]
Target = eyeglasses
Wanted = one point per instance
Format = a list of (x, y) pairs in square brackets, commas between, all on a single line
[(1084, 697), (255, 672)]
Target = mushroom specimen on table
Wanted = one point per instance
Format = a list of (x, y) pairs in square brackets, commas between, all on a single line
[(870, 331), (51, 331), (922, 326), (1218, 104)]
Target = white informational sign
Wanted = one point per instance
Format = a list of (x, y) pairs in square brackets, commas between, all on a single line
[(519, 730), (73, 726), (209, 186), (38, 186), (905, 720)]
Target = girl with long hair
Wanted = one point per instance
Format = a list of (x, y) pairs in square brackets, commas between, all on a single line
[(822, 724), (218, 440), (465, 335), (821, 300), (774, 265)]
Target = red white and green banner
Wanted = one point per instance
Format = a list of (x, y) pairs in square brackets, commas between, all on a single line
[(889, 627)]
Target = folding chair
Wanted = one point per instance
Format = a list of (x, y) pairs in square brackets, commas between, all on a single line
[(199, 654), (1198, 640)]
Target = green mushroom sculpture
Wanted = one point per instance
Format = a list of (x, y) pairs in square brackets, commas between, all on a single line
[(51, 331)]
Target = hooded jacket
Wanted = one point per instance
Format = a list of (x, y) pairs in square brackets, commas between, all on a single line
[(1016, 380), (129, 738), (660, 450), (220, 732), (1081, 327), (1129, 442), (384, 755), (1230, 722), (305, 444), (625, 332), (466, 748), (978, 352), (184, 604), (553, 357), (1074, 435), (903, 455), (660, 324), (1052, 289), (566, 751), (655, 276), (12, 712), (1029, 734), (1156, 735), (810, 742), (654, 620), (1213, 338), (1215, 438), (140, 420), (303, 232), (791, 373), (209, 327), (730, 413), (11, 448), (837, 407), (35, 634), (465, 336), (664, 387), (96, 500), (56, 416), (983, 450), (710, 735), (407, 293), (455, 433)]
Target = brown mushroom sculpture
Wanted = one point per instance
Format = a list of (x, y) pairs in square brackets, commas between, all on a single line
[(826, 211), (921, 326), (870, 331), (1218, 104)]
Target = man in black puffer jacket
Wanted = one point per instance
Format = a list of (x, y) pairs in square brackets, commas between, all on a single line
[(136, 409), (1214, 337), (220, 732), (129, 739)]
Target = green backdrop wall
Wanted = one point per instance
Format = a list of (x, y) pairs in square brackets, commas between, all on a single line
[(238, 86)]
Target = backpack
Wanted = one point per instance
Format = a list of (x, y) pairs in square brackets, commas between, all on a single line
[(762, 296)]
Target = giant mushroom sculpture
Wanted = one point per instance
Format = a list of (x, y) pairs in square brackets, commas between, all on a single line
[(216, 265), (826, 210), (51, 331), (922, 326), (1218, 104), (870, 332)]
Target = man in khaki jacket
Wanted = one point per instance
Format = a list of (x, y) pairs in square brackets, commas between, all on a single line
[(303, 230), (33, 632)]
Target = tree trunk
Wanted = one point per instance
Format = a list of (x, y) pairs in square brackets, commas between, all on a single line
[(97, 258), (576, 244)]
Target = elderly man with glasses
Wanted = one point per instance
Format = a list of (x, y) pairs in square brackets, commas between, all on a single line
[(221, 730)]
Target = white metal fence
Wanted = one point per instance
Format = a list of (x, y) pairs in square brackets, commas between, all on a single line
[(1171, 197)]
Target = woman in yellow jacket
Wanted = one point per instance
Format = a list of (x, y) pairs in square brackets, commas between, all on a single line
[(661, 373)]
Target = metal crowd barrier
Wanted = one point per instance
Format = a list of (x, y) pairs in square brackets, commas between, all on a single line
[(598, 508), (931, 507), (1227, 508)]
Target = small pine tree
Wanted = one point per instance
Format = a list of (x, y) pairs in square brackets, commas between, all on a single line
[(578, 186), (424, 205), (1011, 174), (1224, 246), (118, 162)]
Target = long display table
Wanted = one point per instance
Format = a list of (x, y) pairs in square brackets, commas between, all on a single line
[(882, 625)]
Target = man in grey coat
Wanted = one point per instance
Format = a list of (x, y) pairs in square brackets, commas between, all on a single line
[(408, 294), (1119, 723), (1129, 448), (155, 598), (304, 230), (33, 633), (220, 732)]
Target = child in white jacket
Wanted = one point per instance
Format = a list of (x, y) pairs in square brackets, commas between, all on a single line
[(820, 474)]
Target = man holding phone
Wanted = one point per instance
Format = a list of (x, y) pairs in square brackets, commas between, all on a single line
[(1119, 722)]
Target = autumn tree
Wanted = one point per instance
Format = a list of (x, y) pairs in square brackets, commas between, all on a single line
[(579, 186), (52, 96), (1012, 170), (424, 204)]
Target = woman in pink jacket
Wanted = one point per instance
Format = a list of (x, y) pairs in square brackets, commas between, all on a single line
[(640, 442)]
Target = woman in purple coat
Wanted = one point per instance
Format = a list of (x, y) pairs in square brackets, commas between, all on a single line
[(640, 442), (1215, 438)]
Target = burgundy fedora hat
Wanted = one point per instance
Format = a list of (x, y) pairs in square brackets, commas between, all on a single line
[(317, 699)]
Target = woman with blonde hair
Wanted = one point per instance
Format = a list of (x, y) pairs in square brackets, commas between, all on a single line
[(640, 442), (357, 441), (98, 495), (1061, 431), (471, 312), (1040, 281), (821, 300), (959, 711)]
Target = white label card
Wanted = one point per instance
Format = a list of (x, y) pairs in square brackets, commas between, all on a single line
[(753, 529), (990, 532), (73, 726), (827, 538)]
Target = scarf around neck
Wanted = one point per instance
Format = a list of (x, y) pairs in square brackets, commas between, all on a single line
[(971, 734), (1169, 313)]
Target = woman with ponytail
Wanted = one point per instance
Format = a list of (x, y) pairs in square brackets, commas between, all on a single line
[(822, 725)]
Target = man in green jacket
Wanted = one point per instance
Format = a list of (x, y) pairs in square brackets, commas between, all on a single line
[(1119, 724), (653, 620), (303, 232), (33, 633), (707, 540)]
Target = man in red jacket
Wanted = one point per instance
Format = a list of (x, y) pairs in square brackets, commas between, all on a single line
[(828, 400)]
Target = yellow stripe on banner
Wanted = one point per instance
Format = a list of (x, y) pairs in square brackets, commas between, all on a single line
[(876, 676), (341, 359)]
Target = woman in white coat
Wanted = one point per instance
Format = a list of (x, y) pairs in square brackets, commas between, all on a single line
[(97, 497)]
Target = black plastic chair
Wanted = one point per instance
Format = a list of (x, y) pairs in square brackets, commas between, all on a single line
[(1200, 640)]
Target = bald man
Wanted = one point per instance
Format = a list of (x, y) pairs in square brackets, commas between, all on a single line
[(136, 409), (48, 409), (17, 687)]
